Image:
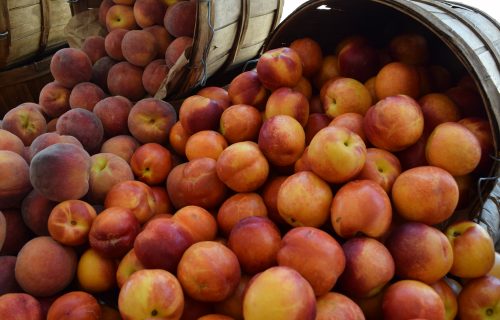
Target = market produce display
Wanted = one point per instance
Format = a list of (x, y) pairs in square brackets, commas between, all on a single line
[(319, 185)]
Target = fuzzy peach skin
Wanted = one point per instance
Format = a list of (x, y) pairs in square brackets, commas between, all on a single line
[(44, 267), (61, 172), (14, 179)]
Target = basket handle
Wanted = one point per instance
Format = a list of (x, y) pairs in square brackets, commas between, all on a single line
[(4, 33)]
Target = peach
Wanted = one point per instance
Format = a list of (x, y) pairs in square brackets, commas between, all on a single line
[(397, 78), (282, 140), (106, 170), (215, 316), (70, 66), (414, 155), (280, 67), (468, 100), (150, 120), (218, 94), (304, 86), (336, 154), (315, 254), (448, 296), (311, 207), (127, 266), (85, 95), (44, 267), (77, 305), (247, 89), (177, 138), (95, 273), (200, 223), (198, 113), (100, 71), (196, 183), (255, 241), (8, 283), (162, 201), (83, 125), (162, 243), (358, 59), (205, 143), (180, 46), (479, 299), (180, 19), (242, 166), (69, 222), (270, 196), (438, 108), (453, 147), (72, 164), (125, 79), (162, 296), (370, 85), (162, 37), (315, 122), (310, 53), (233, 305), (382, 167), (240, 122), (352, 121), (410, 48), (121, 145), (25, 121), (333, 305), (113, 232), (133, 195), (151, 163), (481, 129), (329, 69), (394, 123), (139, 47), (238, 207), (3, 229), (411, 299), (15, 232), (425, 194), (414, 242), (49, 138), (209, 271), (120, 17), (285, 101), (361, 206), (154, 74), (113, 44), (149, 12), (11, 142), (369, 267), (54, 99), (20, 306), (346, 95), (113, 113), (93, 46), (103, 10), (279, 293), (14, 179), (467, 262)]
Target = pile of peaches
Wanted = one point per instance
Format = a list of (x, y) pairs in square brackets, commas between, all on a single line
[(320, 185)]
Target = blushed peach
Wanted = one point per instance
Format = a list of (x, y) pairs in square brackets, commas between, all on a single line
[(25, 121), (70, 66), (113, 112), (180, 19), (240, 122), (154, 74), (205, 143), (149, 12), (14, 179), (93, 46), (120, 16), (83, 125), (113, 44), (238, 207), (35, 210), (178, 47), (125, 79), (397, 78), (54, 99), (100, 71), (247, 89), (139, 47), (85, 95), (121, 145)]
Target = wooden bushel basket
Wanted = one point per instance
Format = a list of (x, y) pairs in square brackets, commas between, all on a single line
[(464, 39), (31, 29)]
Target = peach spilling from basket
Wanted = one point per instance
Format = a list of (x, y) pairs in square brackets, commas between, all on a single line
[(307, 187)]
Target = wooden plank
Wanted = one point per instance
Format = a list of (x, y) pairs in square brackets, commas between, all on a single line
[(25, 21), (261, 7), (226, 12), (222, 41), (21, 3), (258, 29)]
